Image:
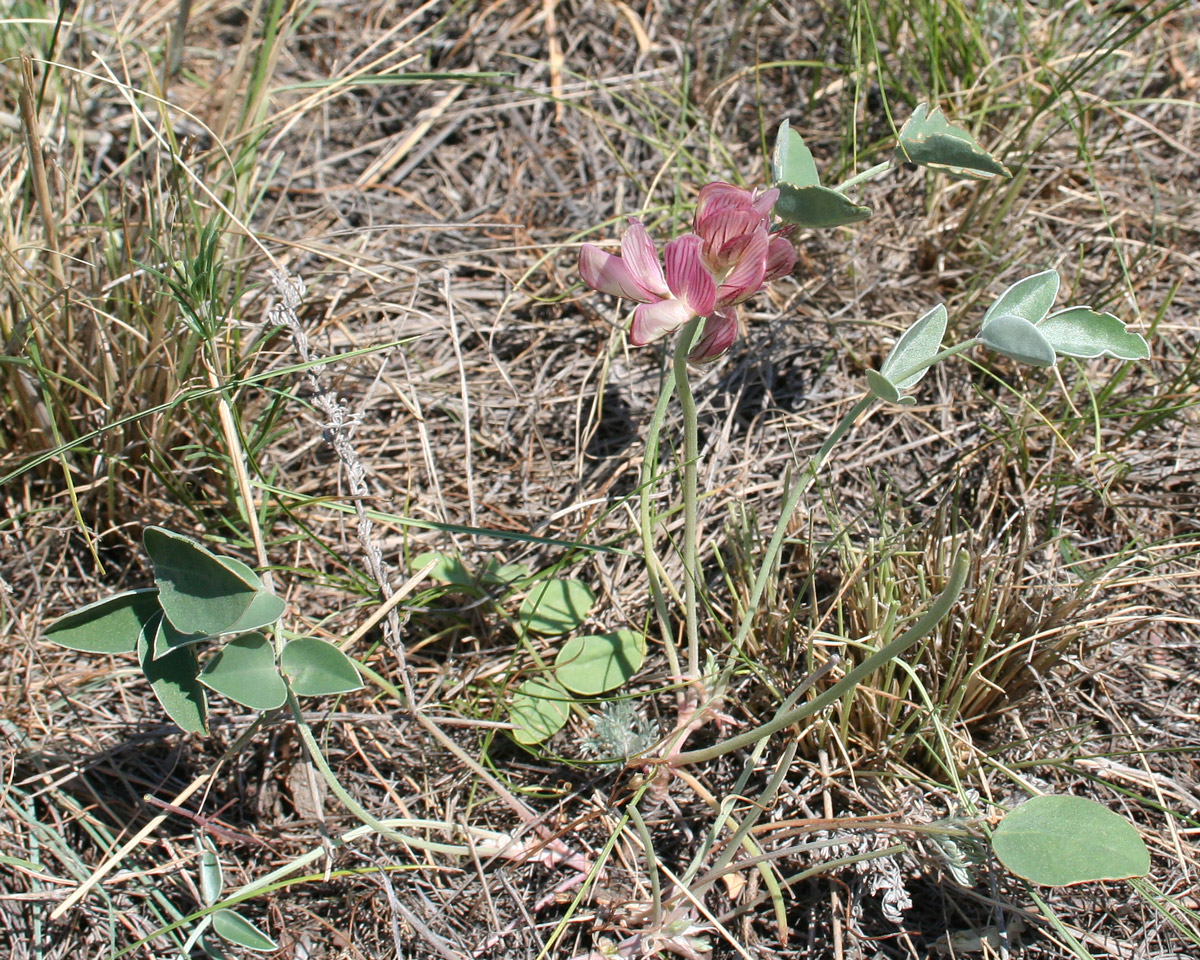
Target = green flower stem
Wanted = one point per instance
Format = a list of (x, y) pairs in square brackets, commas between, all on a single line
[(936, 358), (649, 481), (691, 454)]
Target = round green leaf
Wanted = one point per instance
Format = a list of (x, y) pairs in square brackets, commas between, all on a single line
[(539, 709), (1059, 841), (816, 206), (1019, 339), (111, 625), (1030, 298), (316, 668), (237, 929), (1082, 332), (593, 665), (203, 593), (556, 606), (244, 671), (882, 387), (503, 575), (173, 678), (446, 569)]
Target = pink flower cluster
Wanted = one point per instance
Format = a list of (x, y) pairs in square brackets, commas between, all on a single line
[(730, 255)]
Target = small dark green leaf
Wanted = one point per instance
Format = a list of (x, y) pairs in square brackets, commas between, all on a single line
[(819, 207), (202, 593), (928, 138), (244, 671), (237, 929), (1019, 339), (316, 668), (1059, 841), (1030, 298), (539, 709), (112, 625), (1082, 332), (593, 665), (556, 606), (792, 162), (919, 344), (173, 679)]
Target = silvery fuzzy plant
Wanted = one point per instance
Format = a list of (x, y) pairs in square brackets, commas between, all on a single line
[(740, 242)]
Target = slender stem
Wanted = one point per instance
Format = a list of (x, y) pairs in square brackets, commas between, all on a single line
[(649, 479), (691, 454)]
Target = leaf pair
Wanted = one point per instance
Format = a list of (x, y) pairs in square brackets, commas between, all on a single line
[(228, 924), (200, 596), (1020, 326)]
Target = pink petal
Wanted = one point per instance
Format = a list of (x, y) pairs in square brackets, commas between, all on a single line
[(781, 258), (637, 250), (608, 274), (766, 200), (687, 276), (719, 195), (720, 330), (721, 227), (653, 320), (749, 258)]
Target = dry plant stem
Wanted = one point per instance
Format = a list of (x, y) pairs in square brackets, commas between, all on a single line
[(41, 185), (103, 870), (691, 453)]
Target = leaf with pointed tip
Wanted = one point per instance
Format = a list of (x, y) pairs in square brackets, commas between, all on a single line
[(173, 679), (1030, 298), (316, 668), (1017, 338), (237, 929), (819, 207), (206, 594), (931, 140), (1083, 332), (1064, 840), (244, 671), (593, 665), (556, 606), (792, 162), (539, 709), (112, 625), (211, 880), (167, 638), (918, 344)]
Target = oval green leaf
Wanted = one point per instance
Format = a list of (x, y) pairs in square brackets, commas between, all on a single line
[(211, 880), (167, 638), (244, 671), (173, 678), (1059, 841), (792, 162), (446, 569), (556, 606), (816, 206), (237, 929), (112, 625), (882, 387), (596, 664), (1083, 332), (1019, 339), (919, 344), (1030, 298), (202, 593), (539, 709), (931, 140), (316, 668)]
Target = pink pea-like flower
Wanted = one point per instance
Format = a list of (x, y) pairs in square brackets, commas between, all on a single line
[(729, 257)]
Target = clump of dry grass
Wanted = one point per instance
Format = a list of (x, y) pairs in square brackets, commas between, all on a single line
[(428, 185)]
